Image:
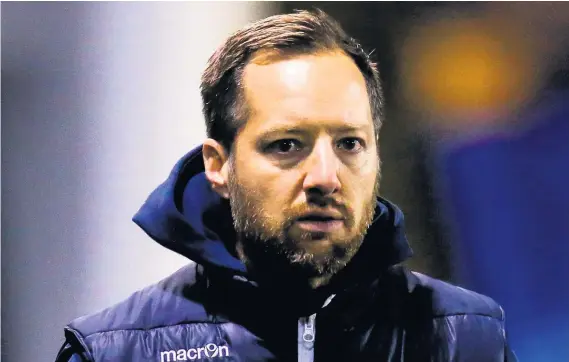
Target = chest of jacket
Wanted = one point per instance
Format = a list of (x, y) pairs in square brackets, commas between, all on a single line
[(380, 322), (448, 338)]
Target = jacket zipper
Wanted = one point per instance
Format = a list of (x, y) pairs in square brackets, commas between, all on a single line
[(307, 335)]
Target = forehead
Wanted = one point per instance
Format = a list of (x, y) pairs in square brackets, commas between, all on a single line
[(320, 88)]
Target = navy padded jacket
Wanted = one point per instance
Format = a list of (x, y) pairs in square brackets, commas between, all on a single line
[(375, 309)]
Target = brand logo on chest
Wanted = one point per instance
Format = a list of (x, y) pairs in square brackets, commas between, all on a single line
[(210, 350)]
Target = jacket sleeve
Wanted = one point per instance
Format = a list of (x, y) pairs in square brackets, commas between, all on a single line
[(71, 353)]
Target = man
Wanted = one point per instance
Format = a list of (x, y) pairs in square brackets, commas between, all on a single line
[(295, 254)]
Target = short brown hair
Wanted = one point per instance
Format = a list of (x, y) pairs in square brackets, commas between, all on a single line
[(301, 32)]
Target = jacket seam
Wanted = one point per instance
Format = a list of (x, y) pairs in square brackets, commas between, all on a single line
[(152, 328), (220, 323)]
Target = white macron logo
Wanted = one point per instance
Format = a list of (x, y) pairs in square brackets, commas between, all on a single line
[(210, 350)]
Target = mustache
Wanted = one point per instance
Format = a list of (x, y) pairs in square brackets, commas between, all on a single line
[(324, 200), (322, 204)]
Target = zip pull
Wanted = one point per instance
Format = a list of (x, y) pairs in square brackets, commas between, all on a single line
[(308, 334)]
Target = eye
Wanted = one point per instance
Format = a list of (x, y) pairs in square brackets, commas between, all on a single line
[(350, 144), (284, 146)]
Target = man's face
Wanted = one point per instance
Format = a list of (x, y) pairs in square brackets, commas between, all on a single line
[(304, 171)]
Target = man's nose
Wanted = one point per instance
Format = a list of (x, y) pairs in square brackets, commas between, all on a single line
[(322, 170)]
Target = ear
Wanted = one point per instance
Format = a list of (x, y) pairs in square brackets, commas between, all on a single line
[(216, 163)]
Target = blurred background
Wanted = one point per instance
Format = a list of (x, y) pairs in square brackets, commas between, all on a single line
[(99, 100)]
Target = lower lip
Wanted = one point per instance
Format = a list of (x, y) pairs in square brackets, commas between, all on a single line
[(320, 226)]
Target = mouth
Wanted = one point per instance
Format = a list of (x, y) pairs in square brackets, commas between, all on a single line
[(320, 222)]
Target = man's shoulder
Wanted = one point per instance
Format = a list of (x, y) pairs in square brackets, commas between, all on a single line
[(174, 300), (439, 298), (463, 322)]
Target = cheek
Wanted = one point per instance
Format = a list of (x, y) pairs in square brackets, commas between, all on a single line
[(363, 177), (275, 192), (362, 189), (266, 189)]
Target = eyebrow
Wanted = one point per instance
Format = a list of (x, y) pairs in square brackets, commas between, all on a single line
[(289, 129)]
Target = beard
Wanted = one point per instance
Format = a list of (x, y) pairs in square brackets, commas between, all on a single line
[(269, 245)]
